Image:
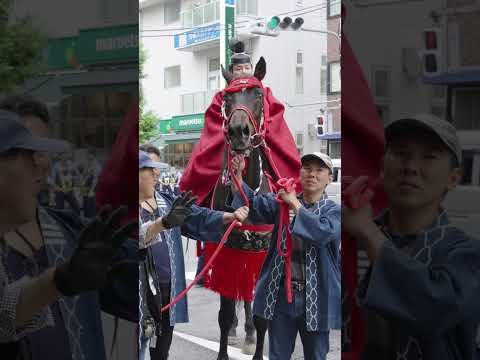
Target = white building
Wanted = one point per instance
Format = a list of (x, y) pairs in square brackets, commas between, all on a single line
[(182, 78)]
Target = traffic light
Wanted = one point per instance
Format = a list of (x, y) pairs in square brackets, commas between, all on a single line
[(431, 58), (271, 26), (320, 125)]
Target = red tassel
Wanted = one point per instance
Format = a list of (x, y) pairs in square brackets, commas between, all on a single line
[(234, 273)]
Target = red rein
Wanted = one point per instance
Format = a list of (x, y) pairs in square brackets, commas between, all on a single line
[(288, 185)]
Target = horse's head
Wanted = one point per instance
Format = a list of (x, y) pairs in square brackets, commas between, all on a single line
[(243, 110)]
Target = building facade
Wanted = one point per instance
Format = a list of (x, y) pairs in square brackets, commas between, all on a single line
[(92, 67), (183, 73)]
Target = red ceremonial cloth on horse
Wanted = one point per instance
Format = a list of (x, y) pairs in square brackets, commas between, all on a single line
[(234, 273), (206, 161), (362, 152), (118, 182)]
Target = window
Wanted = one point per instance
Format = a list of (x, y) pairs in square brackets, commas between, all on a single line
[(333, 8), (466, 109), (246, 7), (171, 12), (172, 77), (323, 75), (334, 82), (299, 142), (335, 152), (381, 83), (299, 73), (383, 112)]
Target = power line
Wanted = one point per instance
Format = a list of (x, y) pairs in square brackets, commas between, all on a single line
[(291, 12), (200, 31)]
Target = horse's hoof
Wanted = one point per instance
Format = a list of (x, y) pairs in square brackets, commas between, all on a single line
[(222, 357), (249, 345), (232, 337)]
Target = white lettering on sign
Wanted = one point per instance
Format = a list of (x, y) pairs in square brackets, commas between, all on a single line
[(117, 43), (190, 122)]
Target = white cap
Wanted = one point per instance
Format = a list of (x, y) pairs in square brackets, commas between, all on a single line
[(320, 156)]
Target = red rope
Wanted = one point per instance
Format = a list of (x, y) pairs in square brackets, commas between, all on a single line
[(234, 224)]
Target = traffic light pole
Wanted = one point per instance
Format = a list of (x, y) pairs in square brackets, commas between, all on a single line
[(326, 32)]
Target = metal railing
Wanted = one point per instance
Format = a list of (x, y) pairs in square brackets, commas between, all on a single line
[(201, 15)]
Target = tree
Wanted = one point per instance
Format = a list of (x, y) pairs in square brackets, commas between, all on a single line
[(21, 46), (148, 119)]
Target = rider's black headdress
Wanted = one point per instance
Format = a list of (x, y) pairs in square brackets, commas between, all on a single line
[(239, 56)]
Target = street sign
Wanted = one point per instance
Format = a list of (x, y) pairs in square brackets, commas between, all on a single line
[(227, 17)]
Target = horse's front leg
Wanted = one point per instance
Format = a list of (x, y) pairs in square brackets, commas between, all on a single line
[(225, 321), (261, 327), (249, 344)]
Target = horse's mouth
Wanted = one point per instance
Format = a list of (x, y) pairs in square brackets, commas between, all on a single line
[(240, 150)]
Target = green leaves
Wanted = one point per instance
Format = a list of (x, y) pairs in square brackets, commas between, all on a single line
[(21, 47)]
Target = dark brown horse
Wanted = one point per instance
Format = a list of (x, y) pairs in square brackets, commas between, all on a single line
[(243, 115)]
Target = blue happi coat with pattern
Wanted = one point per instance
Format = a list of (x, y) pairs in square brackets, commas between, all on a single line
[(319, 228), (81, 313), (202, 224), (426, 289)]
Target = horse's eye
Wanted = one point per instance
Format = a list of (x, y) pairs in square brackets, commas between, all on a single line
[(246, 130)]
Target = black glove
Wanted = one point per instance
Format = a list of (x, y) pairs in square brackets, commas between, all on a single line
[(180, 209), (98, 242)]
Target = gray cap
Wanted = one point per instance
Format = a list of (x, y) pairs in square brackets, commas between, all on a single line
[(14, 135), (144, 161), (319, 156), (443, 129)]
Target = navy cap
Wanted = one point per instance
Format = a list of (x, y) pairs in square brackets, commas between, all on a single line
[(14, 135), (144, 161)]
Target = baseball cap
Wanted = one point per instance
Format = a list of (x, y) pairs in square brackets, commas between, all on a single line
[(320, 156), (144, 161), (443, 129), (14, 135)]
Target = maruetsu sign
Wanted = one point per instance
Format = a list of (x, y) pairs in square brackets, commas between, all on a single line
[(117, 43), (190, 122)]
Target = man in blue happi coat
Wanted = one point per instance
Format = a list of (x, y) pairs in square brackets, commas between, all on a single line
[(163, 221), (56, 272), (421, 293), (315, 262)]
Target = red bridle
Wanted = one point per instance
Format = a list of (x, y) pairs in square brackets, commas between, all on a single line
[(241, 84)]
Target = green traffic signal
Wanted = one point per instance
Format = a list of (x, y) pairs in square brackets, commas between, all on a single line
[(273, 22)]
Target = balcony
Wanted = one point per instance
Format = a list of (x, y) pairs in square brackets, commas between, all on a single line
[(197, 102), (201, 15)]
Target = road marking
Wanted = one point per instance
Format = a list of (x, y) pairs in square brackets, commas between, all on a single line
[(190, 275), (233, 352)]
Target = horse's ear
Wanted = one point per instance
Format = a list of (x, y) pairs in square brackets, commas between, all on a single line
[(227, 75), (260, 69)]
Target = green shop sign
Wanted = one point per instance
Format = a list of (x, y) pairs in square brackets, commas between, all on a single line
[(165, 126), (190, 122), (94, 46)]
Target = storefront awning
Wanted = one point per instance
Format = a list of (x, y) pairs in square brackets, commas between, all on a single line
[(167, 139), (464, 77)]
